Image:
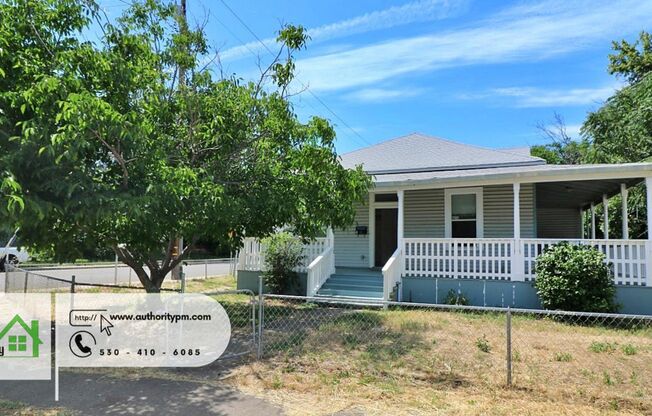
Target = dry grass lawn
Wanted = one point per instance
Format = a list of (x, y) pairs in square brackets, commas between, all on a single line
[(407, 362), (322, 360)]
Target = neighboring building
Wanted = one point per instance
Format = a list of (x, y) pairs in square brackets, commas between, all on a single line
[(449, 216)]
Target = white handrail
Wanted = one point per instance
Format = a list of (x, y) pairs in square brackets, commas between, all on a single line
[(392, 272), (319, 271)]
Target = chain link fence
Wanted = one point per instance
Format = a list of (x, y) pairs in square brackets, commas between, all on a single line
[(242, 308), (604, 358), (579, 357), (18, 280)]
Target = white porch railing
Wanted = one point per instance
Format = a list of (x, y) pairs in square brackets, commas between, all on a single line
[(627, 256), (252, 254), (459, 258), (499, 259), (319, 270), (392, 272)]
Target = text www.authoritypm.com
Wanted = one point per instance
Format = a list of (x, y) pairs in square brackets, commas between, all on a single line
[(151, 316)]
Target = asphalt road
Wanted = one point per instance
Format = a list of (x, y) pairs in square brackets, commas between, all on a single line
[(93, 394), (105, 274)]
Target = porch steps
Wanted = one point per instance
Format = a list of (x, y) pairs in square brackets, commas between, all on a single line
[(354, 283)]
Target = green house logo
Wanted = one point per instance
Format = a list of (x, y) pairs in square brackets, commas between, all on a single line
[(19, 340)]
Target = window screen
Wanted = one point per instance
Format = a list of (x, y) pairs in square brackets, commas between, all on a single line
[(463, 216)]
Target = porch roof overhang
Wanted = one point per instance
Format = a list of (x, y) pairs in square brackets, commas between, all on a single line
[(629, 173)]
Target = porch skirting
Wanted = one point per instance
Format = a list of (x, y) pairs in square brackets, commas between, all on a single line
[(632, 299), (249, 279)]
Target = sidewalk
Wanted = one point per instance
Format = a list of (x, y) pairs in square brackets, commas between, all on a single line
[(91, 394)]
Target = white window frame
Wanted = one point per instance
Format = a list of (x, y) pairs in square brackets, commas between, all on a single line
[(479, 209)]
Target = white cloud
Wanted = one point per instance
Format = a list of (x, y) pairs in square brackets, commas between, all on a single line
[(375, 95), (416, 11), (573, 130), (540, 97), (523, 33)]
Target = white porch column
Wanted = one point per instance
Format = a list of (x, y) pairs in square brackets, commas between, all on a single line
[(605, 208), (330, 241), (400, 222), (592, 221), (517, 211), (648, 243), (518, 267), (581, 223), (372, 228), (623, 196)]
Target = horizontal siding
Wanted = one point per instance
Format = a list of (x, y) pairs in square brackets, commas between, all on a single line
[(558, 223), (424, 218), (352, 250), (499, 214), (424, 213)]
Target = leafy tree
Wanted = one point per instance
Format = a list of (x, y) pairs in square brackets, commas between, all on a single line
[(575, 278), (103, 146), (621, 130), (633, 61)]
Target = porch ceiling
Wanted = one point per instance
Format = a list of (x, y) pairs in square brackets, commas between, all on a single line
[(576, 194)]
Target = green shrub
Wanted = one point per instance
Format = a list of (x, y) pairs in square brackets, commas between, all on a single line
[(629, 349), (563, 357), (602, 347), (575, 278), (455, 298), (483, 344), (283, 253)]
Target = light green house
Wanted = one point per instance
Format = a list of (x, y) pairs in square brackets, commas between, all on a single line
[(452, 211)]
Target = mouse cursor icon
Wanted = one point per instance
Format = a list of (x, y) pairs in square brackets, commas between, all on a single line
[(105, 325)]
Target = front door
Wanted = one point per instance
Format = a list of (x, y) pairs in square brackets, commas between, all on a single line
[(385, 235)]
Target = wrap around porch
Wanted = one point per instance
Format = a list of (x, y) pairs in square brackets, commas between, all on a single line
[(490, 231)]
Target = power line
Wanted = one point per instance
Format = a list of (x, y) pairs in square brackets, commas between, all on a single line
[(304, 86)]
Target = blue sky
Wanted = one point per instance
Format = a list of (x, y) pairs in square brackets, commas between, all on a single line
[(479, 72)]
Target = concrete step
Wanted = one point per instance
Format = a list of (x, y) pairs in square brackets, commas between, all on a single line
[(349, 271), (344, 277), (376, 294), (352, 285), (370, 300)]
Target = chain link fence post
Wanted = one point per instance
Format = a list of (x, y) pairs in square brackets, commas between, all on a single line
[(72, 284), (508, 338), (260, 317)]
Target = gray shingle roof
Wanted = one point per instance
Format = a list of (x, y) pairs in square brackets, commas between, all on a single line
[(523, 173), (420, 153)]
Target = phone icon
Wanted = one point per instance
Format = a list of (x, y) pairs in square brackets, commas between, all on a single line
[(80, 343)]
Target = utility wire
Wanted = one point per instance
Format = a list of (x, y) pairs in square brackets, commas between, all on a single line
[(304, 86)]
